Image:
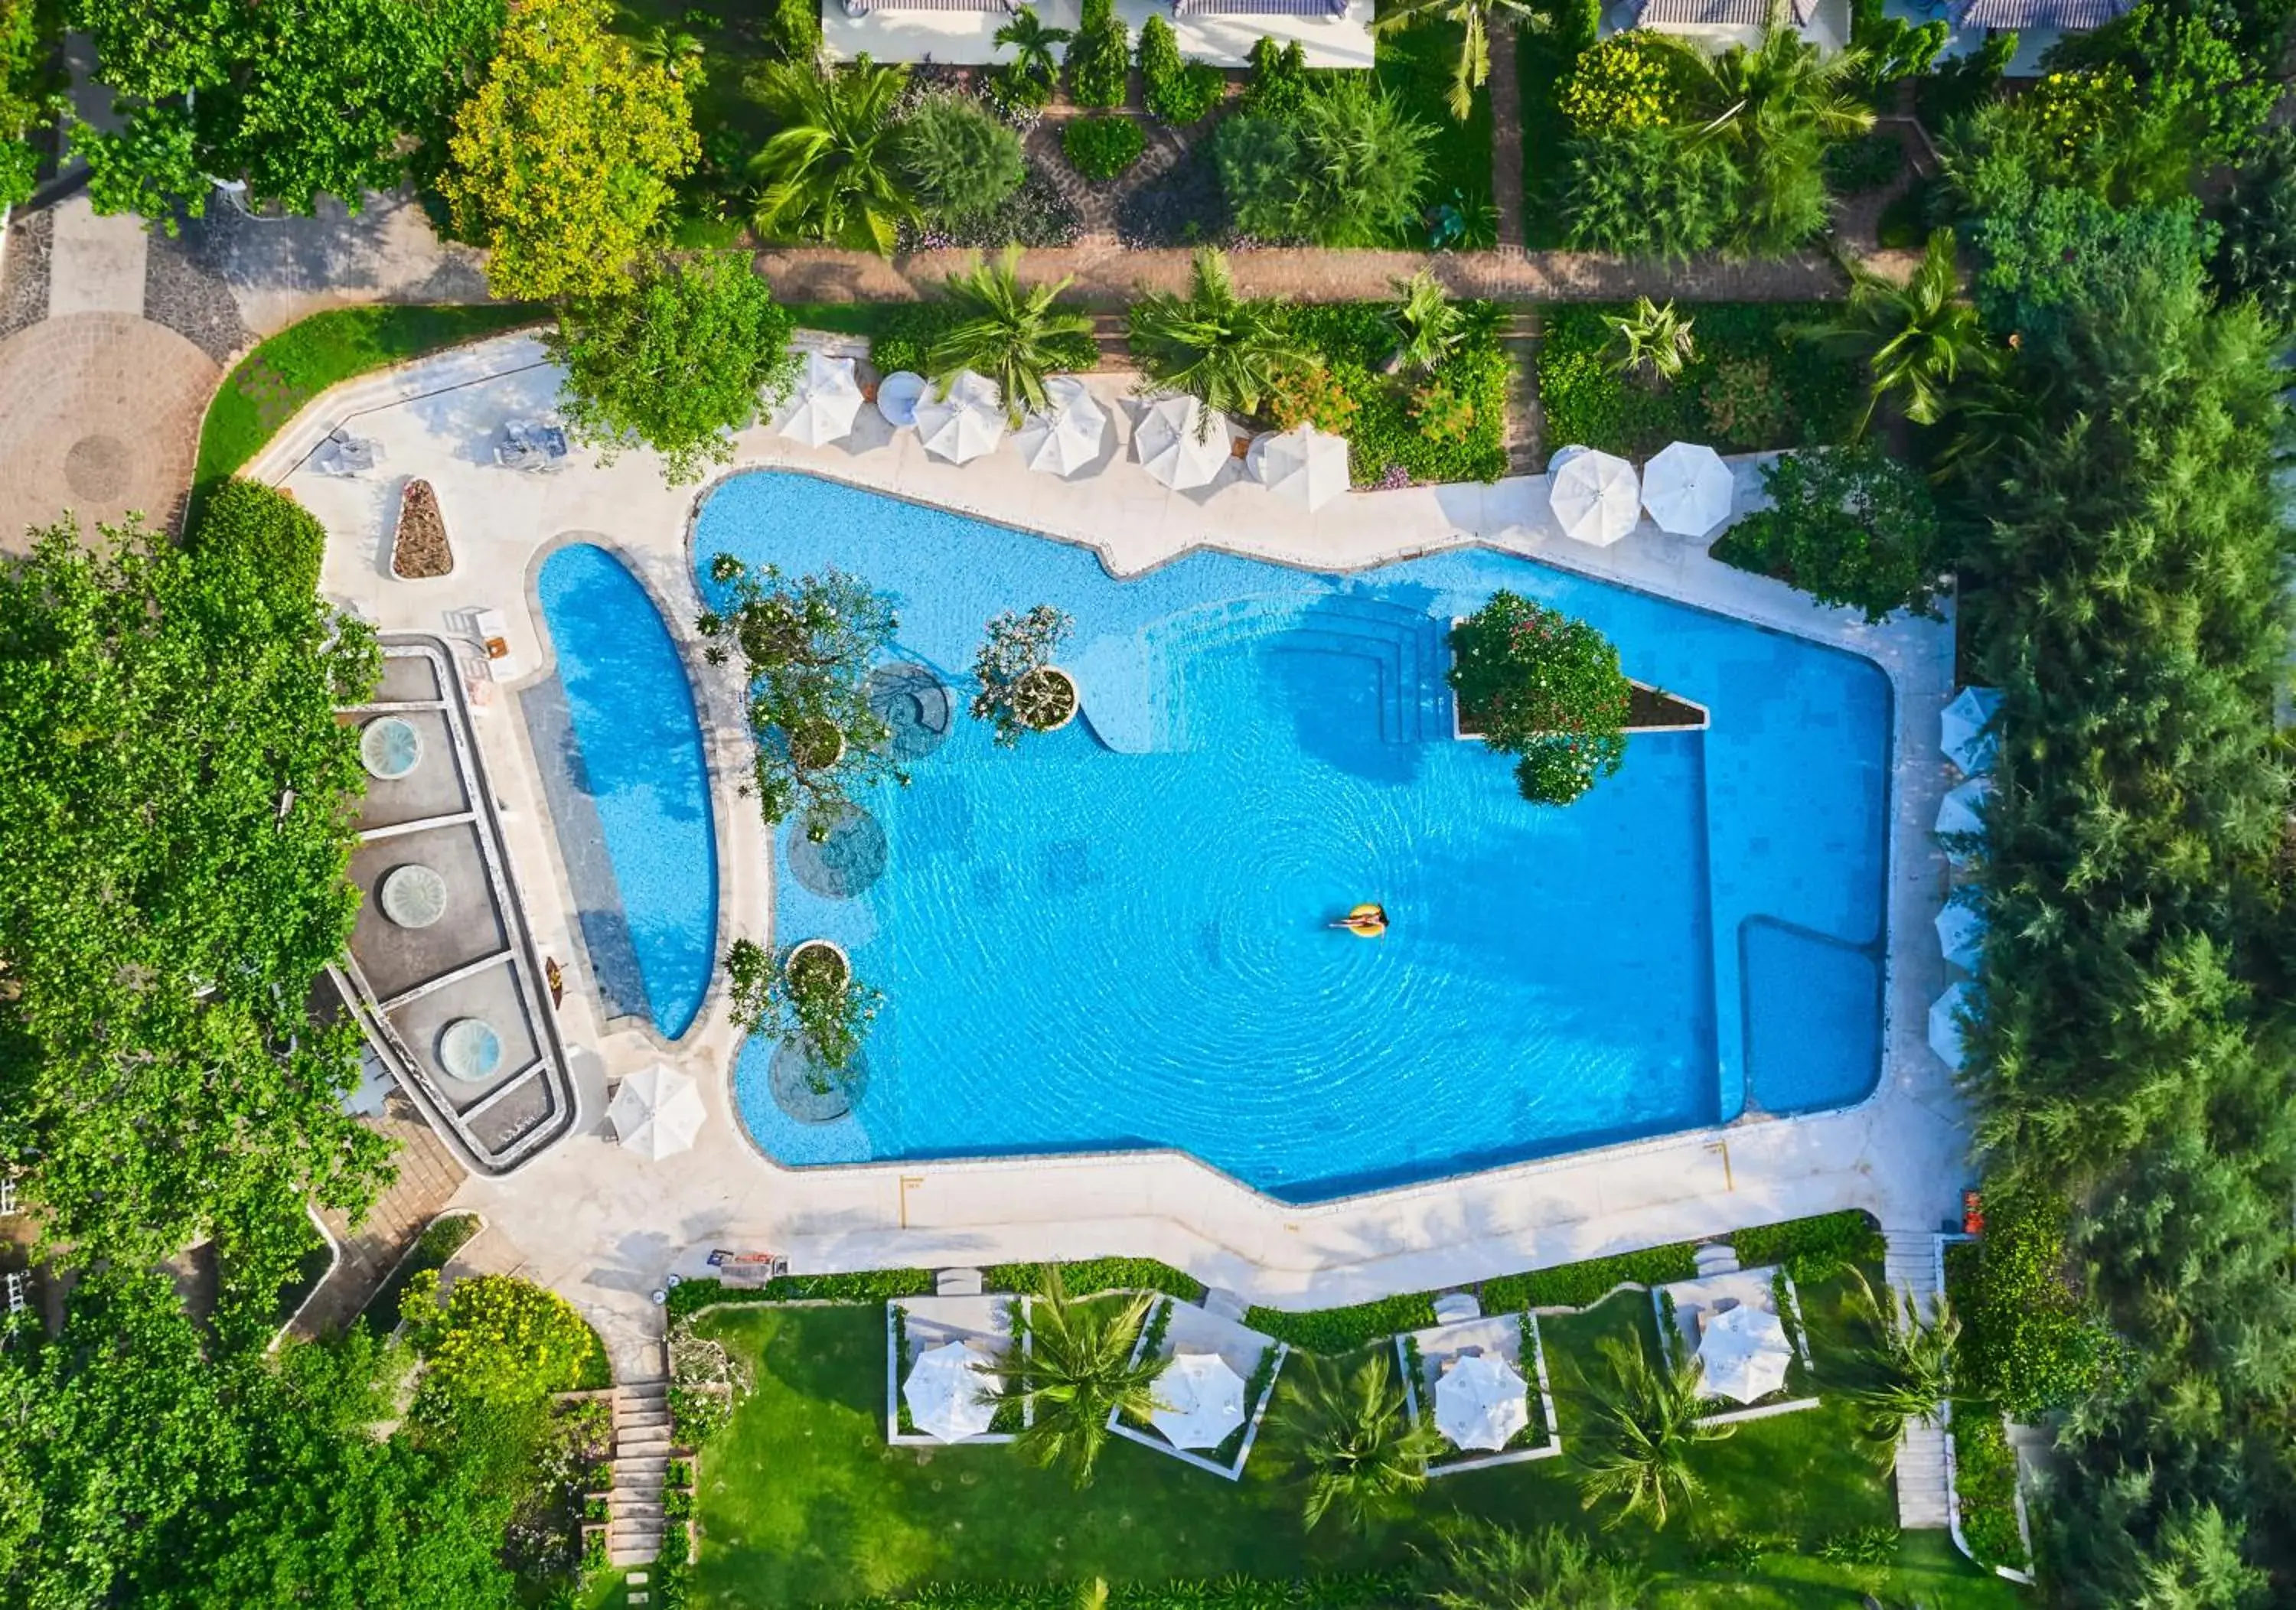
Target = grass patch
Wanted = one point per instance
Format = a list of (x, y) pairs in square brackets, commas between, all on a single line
[(1417, 66)]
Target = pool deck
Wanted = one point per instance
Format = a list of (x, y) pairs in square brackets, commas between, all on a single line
[(606, 1227)]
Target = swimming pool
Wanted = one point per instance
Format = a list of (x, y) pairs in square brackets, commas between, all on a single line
[(1115, 936)]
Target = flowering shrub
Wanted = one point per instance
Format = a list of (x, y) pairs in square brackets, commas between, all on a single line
[(1443, 414), (1543, 687), (1016, 696), (1314, 394), (1630, 80), (2072, 112), (495, 1340)]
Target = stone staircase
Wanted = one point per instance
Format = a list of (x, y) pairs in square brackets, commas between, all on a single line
[(1715, 1258), (1910, 1264), (641, 1471)]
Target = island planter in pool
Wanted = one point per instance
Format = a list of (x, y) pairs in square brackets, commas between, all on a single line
[(1047, 698)]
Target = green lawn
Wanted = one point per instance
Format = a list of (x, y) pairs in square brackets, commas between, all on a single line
[(803, 1502), (1417, 66)]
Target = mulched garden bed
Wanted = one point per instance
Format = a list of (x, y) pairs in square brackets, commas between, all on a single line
[(419, 550)]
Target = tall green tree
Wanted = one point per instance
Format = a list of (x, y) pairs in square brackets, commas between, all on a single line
[(1917, 341), (1773, 106), (829, 172), (1543, 687), (1642, 1427), (1229, 352), (1475, 20), (1007, 331), (1080, 1371), (1362, 1455), (30, 90)]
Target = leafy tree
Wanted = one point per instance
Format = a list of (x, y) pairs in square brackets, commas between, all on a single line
[(2256, 253), (1493, 1567), (1229, 352), (830, 172), (1640, 1433), (1910, 1363), (1475, 20), (29, 93), (959, 162), (678, 360), (1080, 1372), (1850, 526), (495, 1340), (1347, 169), (1917, 339), (1647, 193), (564, 160), (1032, 48), (794, 30), (1016, 697), (1655, 341), (1363, 1456), (1177, 91), (1546, 688), (1428, 325), (1894, 49), (1013, 334), (1773, 106), (807, 997), (1099, 57)]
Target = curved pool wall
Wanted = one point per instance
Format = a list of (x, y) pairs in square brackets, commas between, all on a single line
[(1114, 936), (627, 782)]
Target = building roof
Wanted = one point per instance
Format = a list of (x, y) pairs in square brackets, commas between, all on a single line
[(1722, 13), (2072, 16), (1259, 8)]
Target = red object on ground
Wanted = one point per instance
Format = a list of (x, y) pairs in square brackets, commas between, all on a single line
[(1972, 1213)]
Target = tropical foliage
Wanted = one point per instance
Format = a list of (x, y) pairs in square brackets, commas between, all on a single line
[(1849, 527), (1230, 353), (30, 94), (1633, 79), (831, 171), (1918, 340), (1539, 685), (1773, 106), (1429, 326), (1647, 192), (1654, 341), (1102, 147), (959, 162), (1082, 1371), (1177, 91), (1641, 1427), (1495, 1567), (1910, 1363), (1015, 696), (1475, 20), (2256, 255), (495, 1340), (1099, 58), (1013, 334), (808, 996), (1361, 1455), (1032, 42), (1345, 168)]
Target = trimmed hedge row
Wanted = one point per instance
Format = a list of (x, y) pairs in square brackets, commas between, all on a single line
[(1089, 1275), (1345, 1329), (1576, 1284), (867, 1285), (1812, 1249), (1363, 1591)]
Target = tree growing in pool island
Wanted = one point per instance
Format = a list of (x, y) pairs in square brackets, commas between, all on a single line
[(1545, 687), (809, 996), (1020, 690), (806, 645)]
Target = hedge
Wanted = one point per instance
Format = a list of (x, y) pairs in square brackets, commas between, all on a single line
[(1362, 1591), (867, 1285), (1100, 148), (1985, 1479), (445, 1237), (1812, 1249), (902, 337), (1345, 1329), (1579, 1284), (1353, 342), (1088, 1275)]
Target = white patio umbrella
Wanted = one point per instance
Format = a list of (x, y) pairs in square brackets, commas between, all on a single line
[(964, 421), (1594, 497), (1067, 433), (1945, 1022), (1963, 732), (1182, 442), (1479, 1401), (1962, 811), (1302, 464), (1199, 1401), (1961, 934), (1687, 489), (948, 1397), (656, 1112), (824, 402), (1745, 1352)]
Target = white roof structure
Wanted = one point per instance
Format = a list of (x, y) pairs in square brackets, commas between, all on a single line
[(963, 422), (1962, 811), (1182, 442), (1303, 465), (1199, 1401), (1963, 732), (948, 1396), (1961, 934), (1067, 433), (824, 402), (1746, 1351), (1594, 497), (656, 1112), (1479, 1401), (1688, 489), (1946, 1013)]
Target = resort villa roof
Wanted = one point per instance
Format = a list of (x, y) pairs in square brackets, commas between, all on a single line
[(2062, 15), (963, 33)]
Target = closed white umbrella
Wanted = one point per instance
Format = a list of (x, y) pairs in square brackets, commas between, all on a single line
[(1961, 936), (947, 1396), (1479, 1401), (824, 402), (1965, 733), (963, 422), (1067, 432), (1688, 489), (656, 1112), (1946, 1013), (1302, 464), (1745, 1352), (1182, 442), (1594, 497), (1962, 811), (1199, 1401)]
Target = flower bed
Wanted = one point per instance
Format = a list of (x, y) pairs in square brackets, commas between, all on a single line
[(1446, 425)]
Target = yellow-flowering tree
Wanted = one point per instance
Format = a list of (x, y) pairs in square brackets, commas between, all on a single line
[(563, 162), (496, 1340)]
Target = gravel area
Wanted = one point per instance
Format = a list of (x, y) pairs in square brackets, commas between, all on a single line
[(419, 549), (24, 276), (190, 297)]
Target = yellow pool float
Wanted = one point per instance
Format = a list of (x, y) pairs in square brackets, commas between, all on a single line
[(1365, 921)]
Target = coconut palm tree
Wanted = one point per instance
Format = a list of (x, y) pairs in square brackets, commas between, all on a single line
[(1032, 45), (1911, 1361), (1917, 340), (1637, 1446), (1007, 332), (1655, 341), (1427, 324), (829, 172), (1229, 352), (1489, 1567), (1081, 1370), (1363, 1455), (1773, 106), (1476, 18), (671, 46)]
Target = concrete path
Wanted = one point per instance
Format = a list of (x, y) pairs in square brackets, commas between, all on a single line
[(1924, 1503), (427, 1178)]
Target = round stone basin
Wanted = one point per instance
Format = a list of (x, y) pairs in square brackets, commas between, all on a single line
[(414, 896), (390, 748), (470, 1049)]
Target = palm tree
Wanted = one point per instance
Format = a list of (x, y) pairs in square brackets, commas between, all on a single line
[(1643, 1426), (1080, 1371), (1007, 333), (1655, 339), (1363, 1455), (1772, 107), (672, 47), (1229, 352), (1476, 18), (1032, 45), (1488, 1567), (1916, 338), (1427, 324), (829, 173), (1911, 1361)]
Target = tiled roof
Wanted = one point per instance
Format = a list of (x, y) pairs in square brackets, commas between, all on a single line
[(1259, 8), (1722, 13), (2072, 15)]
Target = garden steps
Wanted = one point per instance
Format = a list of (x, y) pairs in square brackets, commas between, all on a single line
[(1909, 1262), (1715, 1258), (642, 1445), (1525, 439)]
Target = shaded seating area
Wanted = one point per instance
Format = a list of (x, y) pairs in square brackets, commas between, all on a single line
[(1744, 1327), (532, 446), (1214, 1390), (1481, 1380), (945, 1358)]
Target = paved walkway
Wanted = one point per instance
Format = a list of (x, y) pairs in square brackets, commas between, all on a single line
[(1923, 1500), (1506, 138), (428, 1178)]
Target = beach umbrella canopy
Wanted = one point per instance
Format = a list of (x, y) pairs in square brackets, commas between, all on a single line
[(1688, 489), (1067, 433), (1745, 1352), (1594, 497), (1962, 811), (1182, 442), (658, 1111), (963, 422), (1199, 1401), (1964, 734), (1961, 934), (1945, 1024), (948, 1397), (1302, 464), (1479, 1401), (824, 402)]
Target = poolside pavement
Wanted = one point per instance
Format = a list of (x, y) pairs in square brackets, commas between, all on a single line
[(605, 1227)]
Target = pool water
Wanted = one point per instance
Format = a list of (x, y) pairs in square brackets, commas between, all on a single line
[(1117, 935)]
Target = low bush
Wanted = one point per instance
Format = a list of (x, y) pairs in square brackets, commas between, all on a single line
[(1647, 192), (1812, 1249), (963, 163), (1099, 58), (1102, 148), (906, 336), (2028, 1342), (262, 539), (1385, 418), (867, 1285), (438, 1243), (1854, 167), (1630, 80), (1278, 87), (1089, 1275), (1175, 90), (1335, 1330), (1359, 1592), (1578, 1284), (1985, 1478), (1848, 526)]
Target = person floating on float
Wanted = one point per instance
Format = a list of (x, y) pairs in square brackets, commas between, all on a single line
[(1366, 922)]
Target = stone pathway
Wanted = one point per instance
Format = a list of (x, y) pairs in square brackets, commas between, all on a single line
[(1506, 138), (1910, 1263), (1526, 421), (427, 1179)]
